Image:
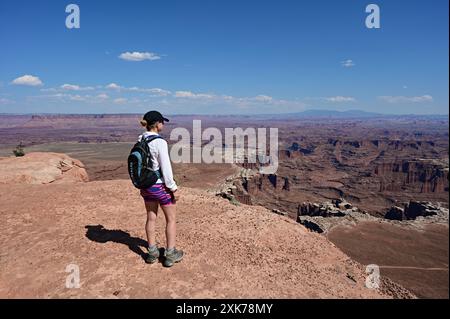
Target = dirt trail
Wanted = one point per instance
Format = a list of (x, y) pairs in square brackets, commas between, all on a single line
[(415, 258)]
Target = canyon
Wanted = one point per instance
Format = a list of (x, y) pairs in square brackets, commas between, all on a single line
[(384, 167), (97, 227)]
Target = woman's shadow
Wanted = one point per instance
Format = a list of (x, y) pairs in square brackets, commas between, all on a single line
[(99, 234)]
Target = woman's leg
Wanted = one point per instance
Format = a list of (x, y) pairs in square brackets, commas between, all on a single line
[(170, 212), (152, 213)]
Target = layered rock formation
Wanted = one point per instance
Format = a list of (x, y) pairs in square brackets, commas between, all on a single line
[(337, 208), (421, 176), (414, 209), (373, 173), (397, 160), (321, 217), (264, 182)]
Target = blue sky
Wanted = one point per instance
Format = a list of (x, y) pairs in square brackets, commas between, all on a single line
[(224, 57)]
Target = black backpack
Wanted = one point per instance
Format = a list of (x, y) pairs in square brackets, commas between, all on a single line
[(140, 164)]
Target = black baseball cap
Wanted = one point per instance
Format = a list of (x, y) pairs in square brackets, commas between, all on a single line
[(154, 116)]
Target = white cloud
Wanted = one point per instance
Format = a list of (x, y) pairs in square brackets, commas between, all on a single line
[(184, 94), (191, 95), (348, 63), (120, 101), (74, 87), (114, 86), (340, 99), (407, 99), (70, 87), (262, 98), (158, 91), (333, 99), (58, 96), (49, 90), (5, 101), (129, 95), (241, 102), (28, 80), (102, 96), (154, 91), (66, 97), (77, 97), (139, 56)]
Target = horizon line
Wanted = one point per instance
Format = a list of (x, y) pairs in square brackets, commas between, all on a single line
[(368, 113)]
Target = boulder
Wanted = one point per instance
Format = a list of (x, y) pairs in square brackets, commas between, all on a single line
[(413, 210), (395, 213), (336, 208), (279, 212), (312, 224), (342, 204), (41, 168), (416, 209)]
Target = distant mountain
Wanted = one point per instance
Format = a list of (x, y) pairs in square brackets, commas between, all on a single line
[(339, 114), (352, 114), (317, 113)]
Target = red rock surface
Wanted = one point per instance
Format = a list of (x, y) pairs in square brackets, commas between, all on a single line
[(41, 168), (416, 258), (231, 251)]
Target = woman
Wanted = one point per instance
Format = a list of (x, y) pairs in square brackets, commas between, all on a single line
[(163, 193)]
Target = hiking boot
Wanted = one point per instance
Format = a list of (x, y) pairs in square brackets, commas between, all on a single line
[(153, 255), (172, 256)]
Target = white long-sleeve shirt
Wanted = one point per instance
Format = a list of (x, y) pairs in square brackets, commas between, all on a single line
[(161, 160)]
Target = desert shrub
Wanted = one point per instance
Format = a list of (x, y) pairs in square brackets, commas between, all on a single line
[(19, 150), (234, 201)]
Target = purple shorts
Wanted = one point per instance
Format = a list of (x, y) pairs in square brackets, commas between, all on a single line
[(158, 193)]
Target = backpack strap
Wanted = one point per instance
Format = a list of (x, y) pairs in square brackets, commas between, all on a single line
[(151, 138)]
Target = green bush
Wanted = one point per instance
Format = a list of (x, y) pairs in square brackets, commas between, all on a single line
[(19, 150), (234, 201)]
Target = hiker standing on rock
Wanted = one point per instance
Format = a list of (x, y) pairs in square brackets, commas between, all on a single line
[(164, 192)]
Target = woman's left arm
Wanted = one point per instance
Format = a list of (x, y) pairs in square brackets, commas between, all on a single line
[(166, 166)]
